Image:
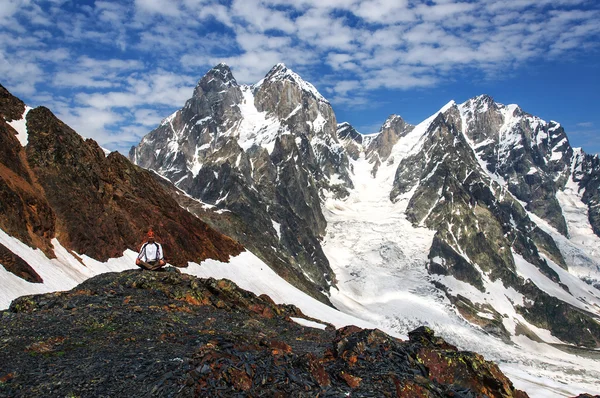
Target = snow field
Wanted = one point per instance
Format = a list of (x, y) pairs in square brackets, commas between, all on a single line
[(63, 273), (252, 274)]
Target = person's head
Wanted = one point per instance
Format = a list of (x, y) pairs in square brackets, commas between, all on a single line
[(151, 235)]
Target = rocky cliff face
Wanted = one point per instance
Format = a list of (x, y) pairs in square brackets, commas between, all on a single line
[(380, 147), (168, 334), (531, 155), (62, 186), (586, 175), (267, 153), (24, 210)]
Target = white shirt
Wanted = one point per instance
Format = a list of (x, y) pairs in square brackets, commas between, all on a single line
[(151, 252)]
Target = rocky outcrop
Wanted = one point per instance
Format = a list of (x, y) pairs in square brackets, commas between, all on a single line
[(16, 265), (24, 210), (380, 147), (345, 131), (11, 108), (586, 172), (563, 320), (351, 140), (169, 334), (62, 186)]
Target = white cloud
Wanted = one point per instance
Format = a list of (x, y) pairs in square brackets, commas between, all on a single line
[(444, 11), (260, 18), (130, 60), (585, 124), (384, 11), (94, 73), (148, 118), (10, 7), (344, 86), (159, 7)]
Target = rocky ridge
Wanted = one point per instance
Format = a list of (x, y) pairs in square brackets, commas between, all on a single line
[(380, 147), (60, 186), (170, 334), (481, 227)]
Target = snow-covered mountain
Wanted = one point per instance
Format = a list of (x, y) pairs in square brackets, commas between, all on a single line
[(267, 153), (481, 221)]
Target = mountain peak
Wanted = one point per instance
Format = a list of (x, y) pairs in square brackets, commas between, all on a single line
[(392, 120), (11, 107), (484, 98), (280, 72), (280, 65), (215, 79), (346, 130), (479, 104)]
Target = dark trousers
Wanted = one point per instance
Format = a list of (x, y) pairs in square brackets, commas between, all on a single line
[(151, 265)]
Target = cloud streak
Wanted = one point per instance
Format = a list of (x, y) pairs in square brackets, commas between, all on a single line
[(125, 62)]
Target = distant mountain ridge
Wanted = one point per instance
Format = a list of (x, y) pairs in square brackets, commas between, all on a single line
[(265, 152)]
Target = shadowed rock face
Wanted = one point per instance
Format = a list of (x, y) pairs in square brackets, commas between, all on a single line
[(587, 174), (392, 130), (533, 156), (11, 108), (346, 131), (351, 140), (169, 334), (24, 210), (380, 148), (62, 186), (15, 264)]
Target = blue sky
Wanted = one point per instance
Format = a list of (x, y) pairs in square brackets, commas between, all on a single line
[(113, 69)]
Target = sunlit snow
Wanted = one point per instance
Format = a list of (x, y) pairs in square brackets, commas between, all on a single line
[(21, 127), (379, 259)]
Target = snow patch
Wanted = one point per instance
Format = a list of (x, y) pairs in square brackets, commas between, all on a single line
[(277, 228), (20, 127), (255, 127), (310, 324), (251, 273), (59, 274)]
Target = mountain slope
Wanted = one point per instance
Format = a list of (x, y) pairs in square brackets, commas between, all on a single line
[(453, 246), (482, 231), (61, 192)]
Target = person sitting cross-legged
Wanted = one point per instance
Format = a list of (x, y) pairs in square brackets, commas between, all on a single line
[(151, 255)]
